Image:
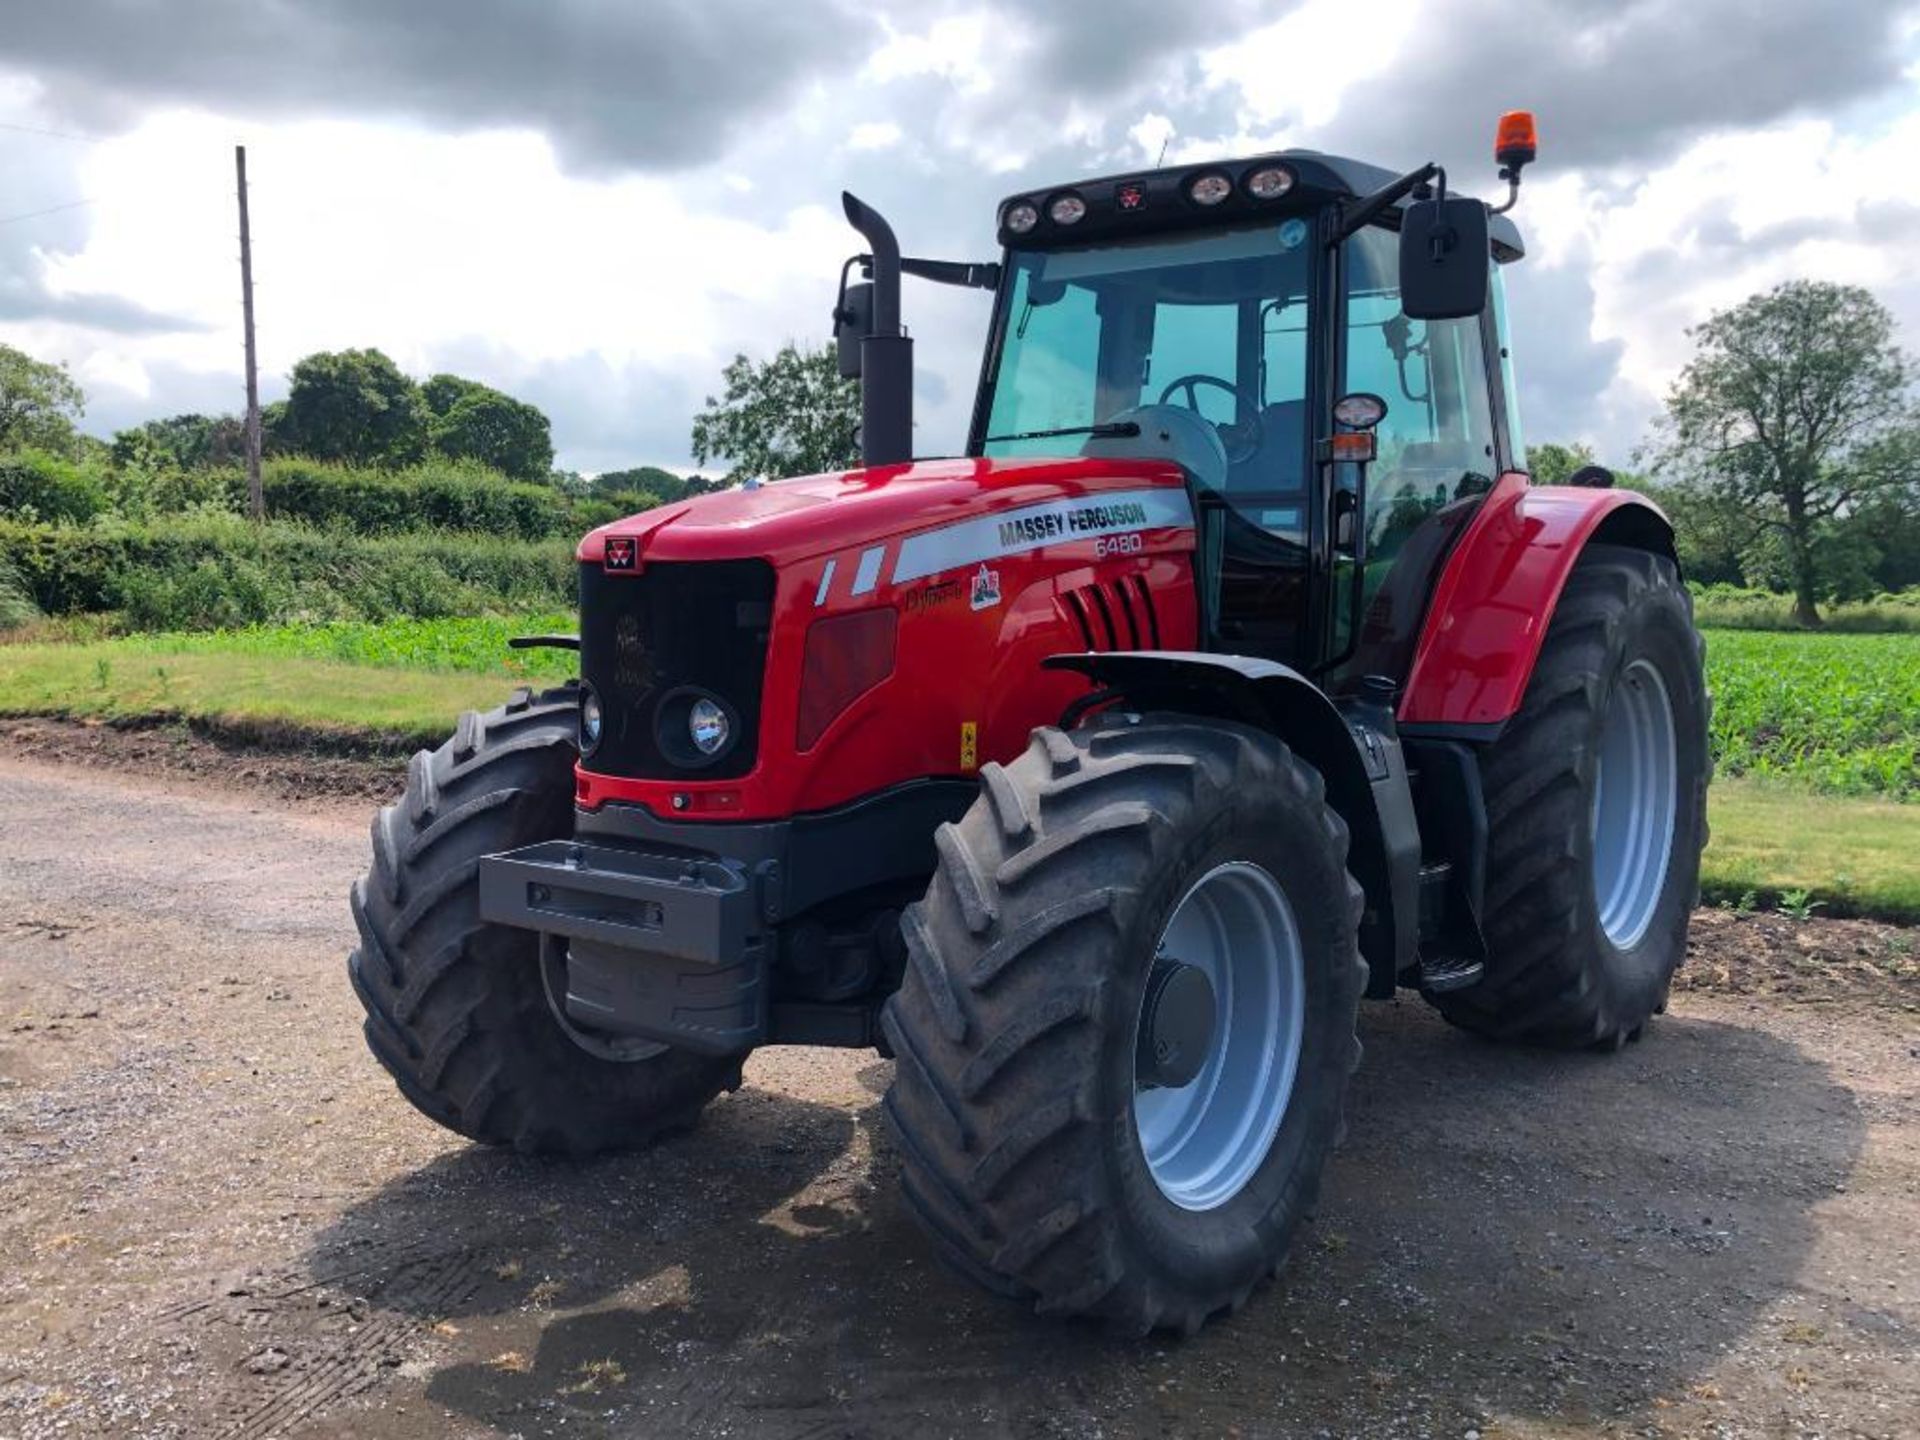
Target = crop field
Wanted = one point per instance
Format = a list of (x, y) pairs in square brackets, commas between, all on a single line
[(1839, 713)]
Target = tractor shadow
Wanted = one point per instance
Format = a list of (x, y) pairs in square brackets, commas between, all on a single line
[(1507, 1232)]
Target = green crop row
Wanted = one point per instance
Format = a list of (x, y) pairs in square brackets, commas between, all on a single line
[(1840, 713)]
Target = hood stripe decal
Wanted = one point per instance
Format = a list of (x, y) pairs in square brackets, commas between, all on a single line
[(868, 575), (1012, 532)]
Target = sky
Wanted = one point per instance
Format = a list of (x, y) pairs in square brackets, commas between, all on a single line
[(594, 204)]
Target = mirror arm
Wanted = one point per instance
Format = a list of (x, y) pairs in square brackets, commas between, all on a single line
[(973, 275), (1360, 213), (969, 274)]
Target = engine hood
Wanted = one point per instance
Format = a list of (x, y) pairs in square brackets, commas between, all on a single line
[(791, 520)]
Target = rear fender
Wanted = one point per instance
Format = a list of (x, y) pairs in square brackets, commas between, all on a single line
[(1497, 594), (1384, 851)]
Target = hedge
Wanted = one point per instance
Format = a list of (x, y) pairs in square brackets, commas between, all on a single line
[(213, 572)]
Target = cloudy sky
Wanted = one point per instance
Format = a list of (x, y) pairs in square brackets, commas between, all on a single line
[(594, 203)]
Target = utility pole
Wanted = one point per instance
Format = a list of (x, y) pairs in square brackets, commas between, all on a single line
[(256, 496)]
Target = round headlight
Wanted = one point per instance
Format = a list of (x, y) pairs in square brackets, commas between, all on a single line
[(1067, 209), (1021, 217), (592, 719), (707, 727), (1209, 189), (1270, 183)]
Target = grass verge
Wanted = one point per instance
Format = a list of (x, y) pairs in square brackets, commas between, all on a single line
[(1854, 856), (247, 693)]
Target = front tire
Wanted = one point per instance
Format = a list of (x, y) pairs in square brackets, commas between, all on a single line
[(1028, 1151), (457, 1009), (1596, 814)]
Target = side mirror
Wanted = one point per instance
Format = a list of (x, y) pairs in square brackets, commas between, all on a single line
[(852, 323), (1444, 259)]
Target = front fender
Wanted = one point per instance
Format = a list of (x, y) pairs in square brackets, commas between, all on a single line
[(1497, 594)]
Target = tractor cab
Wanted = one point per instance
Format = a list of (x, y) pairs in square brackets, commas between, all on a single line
[(1215, 315)]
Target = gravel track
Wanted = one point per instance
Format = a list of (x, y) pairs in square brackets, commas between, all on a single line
[(221, 1219)]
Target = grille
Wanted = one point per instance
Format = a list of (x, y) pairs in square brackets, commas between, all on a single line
[(646, 635), (1115, 614)]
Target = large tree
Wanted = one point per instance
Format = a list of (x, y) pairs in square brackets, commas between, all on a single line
[(355, 406), (1791, 414), (468, 420), (791, 415), (39, 403), (188, 442)]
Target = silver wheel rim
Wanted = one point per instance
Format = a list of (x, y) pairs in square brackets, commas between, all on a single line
[(1635, 798), (1204, 1141)]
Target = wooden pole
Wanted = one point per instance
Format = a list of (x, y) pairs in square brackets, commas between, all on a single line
[(256, 495)]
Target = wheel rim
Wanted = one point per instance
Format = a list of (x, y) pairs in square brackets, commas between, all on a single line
[(1205, 1140), (1635, 798)]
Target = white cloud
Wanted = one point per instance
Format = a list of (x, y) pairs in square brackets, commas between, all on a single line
[(874, 135)]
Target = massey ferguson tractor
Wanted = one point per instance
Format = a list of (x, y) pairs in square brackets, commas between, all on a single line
[(1236, 672)]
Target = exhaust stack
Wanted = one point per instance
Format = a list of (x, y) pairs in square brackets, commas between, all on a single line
[(886, 351)]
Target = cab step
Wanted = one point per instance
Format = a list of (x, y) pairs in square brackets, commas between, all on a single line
[(1441, 973)]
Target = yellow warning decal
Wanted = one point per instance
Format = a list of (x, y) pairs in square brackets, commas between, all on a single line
[(969, 745)]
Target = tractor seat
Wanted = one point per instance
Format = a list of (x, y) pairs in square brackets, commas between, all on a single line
[(1275, 466)]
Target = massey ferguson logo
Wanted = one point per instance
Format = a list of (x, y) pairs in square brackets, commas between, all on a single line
[(1064, 524), (622, 551), (986, 588)]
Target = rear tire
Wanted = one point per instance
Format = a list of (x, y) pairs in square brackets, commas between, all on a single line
[(456, 1009), (1014, 1102), (1590, 887)]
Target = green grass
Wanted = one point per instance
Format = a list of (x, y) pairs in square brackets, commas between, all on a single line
[(1838, 713), (268, 681), (476, 646), (1856, 857)]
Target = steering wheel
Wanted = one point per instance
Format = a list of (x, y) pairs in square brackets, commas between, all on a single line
[(1242, 435)]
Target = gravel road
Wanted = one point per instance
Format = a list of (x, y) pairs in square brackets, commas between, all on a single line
[(220, 1219)]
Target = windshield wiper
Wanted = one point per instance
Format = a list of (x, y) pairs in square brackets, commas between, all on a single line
[(1117, 428)]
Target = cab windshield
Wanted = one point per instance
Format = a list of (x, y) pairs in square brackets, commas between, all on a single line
[(1212, 322)]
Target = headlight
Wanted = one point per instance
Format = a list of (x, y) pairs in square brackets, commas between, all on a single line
[(592, 720), (708, 727), (1021, 217), (1067, 209), (695, 728), (1209, 189)]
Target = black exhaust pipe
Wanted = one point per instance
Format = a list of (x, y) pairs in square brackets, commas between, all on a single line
[(886, 352)]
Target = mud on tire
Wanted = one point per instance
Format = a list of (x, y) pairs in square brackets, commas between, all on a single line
[(1553, 974), (1014, 1032), (456, 1009)]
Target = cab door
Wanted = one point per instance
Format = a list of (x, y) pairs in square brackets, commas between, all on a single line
[(1439, 452)]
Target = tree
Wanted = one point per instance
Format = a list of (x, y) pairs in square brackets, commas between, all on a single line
[(652, 484), (39, 404), (1552, 463), (188, 442), (1792, 412), (468, 420), (355, 406), (791, 415)]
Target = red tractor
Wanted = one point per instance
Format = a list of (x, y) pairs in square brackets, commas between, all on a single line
[(1234, 673)]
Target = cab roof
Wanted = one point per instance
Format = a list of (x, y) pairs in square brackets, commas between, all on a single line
[(1143, 201)]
